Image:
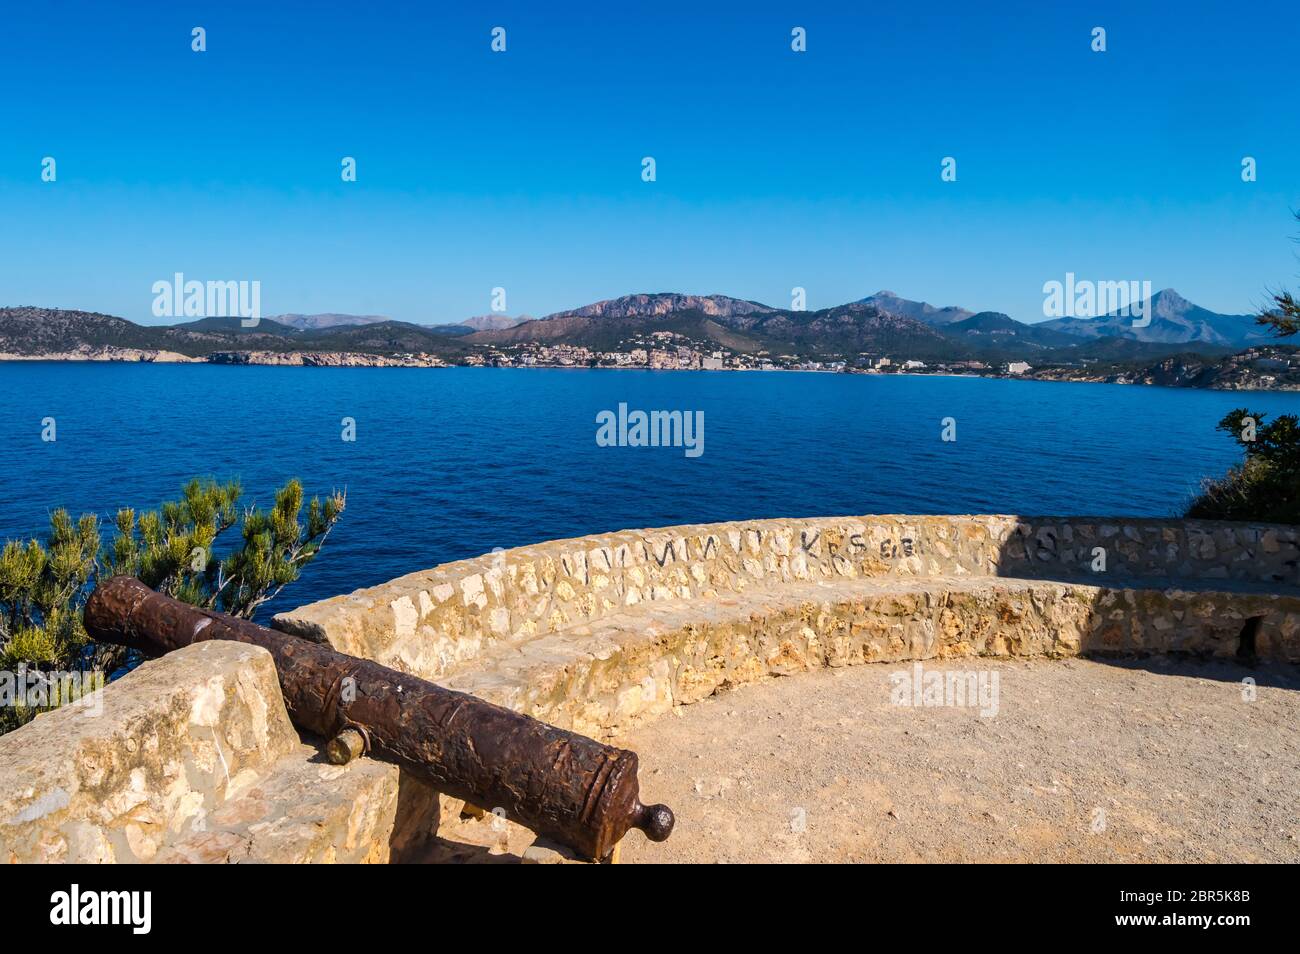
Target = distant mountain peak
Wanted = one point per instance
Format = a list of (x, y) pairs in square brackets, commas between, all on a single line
[(663, 303), (494, 322), (922, 311), (1169, 303), (1172, 320), (321, 321)]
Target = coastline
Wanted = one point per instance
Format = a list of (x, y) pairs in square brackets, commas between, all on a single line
[(330, 359)]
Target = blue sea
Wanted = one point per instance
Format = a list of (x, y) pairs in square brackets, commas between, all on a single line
[(451, 463)]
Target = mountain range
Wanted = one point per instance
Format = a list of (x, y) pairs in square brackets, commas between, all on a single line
[(1174, 320), (30, 332), (885, 323), (329, 320), (920, 310), (880, 324)]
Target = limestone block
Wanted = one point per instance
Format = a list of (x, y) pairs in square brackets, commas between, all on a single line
[(307, 811), (175, 739)]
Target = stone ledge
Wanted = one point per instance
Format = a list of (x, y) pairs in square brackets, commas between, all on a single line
[(192, 758), (175, 739), (308, 811), (439, 621), (605, 678)]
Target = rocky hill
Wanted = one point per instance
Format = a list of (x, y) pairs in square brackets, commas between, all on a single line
[(1174, 320), (30, 332), (326, 320), (491, 322), (666, 303), (1272, 367), (920, 310), (994, 331), (730, 323)]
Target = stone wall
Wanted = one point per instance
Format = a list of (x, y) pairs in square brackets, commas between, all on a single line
[(1154, 550), (192, 758), (605, 679), (437, 622)]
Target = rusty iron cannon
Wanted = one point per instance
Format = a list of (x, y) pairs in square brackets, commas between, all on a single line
[(570, 788)]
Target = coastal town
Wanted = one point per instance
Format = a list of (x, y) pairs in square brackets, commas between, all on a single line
[(670, 351)]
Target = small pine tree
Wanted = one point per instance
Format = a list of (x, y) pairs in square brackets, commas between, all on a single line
[(42, 590), (1283, 316), (172, 549), (44, 586), (1266, 484)]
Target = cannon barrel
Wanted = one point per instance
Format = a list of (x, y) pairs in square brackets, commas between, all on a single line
[(570, 788)]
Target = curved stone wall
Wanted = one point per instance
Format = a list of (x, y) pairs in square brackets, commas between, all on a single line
[(597, 633), (433, 621), (192, 757)]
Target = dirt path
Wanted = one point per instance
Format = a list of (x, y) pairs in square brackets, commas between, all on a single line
[(1156, 760)]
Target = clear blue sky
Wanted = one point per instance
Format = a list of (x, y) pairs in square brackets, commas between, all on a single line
[(522, 169)]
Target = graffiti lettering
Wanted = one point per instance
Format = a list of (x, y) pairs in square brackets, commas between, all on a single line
[(891, 550), (668, 551)]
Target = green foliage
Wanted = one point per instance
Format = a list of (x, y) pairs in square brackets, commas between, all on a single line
[(174, 549), (276, 547), (1266, 485), (41, 594), (1283, 317), (40, 591), (170, 549)]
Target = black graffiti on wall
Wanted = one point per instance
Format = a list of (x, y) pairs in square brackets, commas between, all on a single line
[(809, 540)]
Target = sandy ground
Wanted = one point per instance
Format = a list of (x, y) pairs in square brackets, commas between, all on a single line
[(1152, 760)]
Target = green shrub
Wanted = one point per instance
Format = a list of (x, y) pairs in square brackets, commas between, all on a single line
[(1266, 485), (44, 585)]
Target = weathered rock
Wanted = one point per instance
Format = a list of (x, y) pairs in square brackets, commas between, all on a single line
[(193, 759), (177, 738), (307, 811)]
